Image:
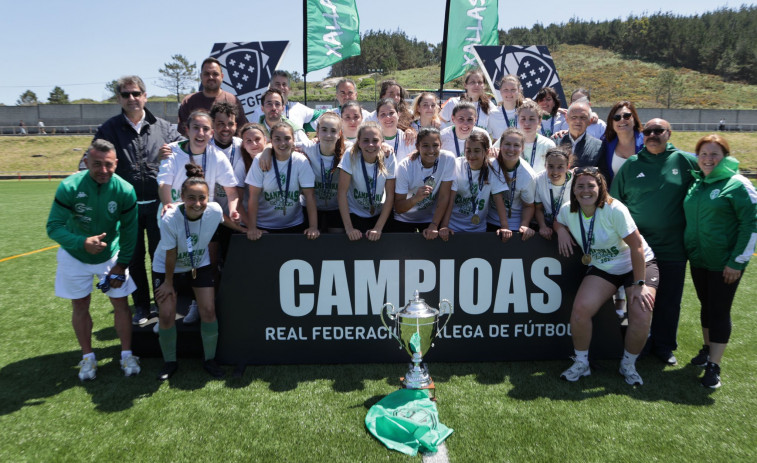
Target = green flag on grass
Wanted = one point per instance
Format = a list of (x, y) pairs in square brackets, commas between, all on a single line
[(333, 32), (471, 23)]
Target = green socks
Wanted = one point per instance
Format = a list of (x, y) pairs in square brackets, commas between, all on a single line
[(209, 333), (167, 340)]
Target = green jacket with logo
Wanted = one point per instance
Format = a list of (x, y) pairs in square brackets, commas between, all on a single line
[(653, 187), (84, 208), (721, 218)]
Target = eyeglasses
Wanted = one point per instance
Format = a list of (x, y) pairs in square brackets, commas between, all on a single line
[(586, 170), (618, 117), (135, 94), (656, 131)]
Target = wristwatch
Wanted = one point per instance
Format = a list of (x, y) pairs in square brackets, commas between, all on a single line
[(639, 283)]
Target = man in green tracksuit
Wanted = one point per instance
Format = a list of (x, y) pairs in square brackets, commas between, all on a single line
[(94, 219), (653, 184)]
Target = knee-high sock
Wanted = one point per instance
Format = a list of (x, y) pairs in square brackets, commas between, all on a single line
[(209, 333), (167, 340)]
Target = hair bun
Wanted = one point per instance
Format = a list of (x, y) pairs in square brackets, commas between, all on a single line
[(193, 170)]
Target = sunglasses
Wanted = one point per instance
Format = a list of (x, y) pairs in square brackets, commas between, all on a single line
[(586, 170), (125, 95), (656, 131), (618, 117)]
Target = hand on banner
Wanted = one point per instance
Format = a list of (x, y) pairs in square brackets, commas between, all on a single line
[(526, 232), (445, 233), (431, 232), (545, 232), (504, 234), (353, 234), (373, 234), (255, 234), (312, 233)]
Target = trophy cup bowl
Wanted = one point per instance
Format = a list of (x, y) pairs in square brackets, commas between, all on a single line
[(415, 327)]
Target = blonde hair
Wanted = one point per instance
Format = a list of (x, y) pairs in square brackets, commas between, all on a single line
[(514, 79), (355, 153)]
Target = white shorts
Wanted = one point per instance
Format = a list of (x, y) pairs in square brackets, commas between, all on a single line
[(74, 278)]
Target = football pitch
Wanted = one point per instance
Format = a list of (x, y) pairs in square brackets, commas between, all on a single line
[(518, 411)]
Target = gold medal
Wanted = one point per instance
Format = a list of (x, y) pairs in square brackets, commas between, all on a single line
[(475, 220), (194, 273), (586, 259)]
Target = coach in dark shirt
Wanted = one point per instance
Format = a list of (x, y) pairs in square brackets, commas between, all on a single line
[(585, 147)]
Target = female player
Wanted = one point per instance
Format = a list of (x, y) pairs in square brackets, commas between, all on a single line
[(366, 186), (472, 189), (352, 117), (388, 116), (475, 92), (519, 177), (529, 121), (721, 226), (464, 124), (425, 111), (617, 255), (274, 204), (422, 191), (552, 120), (552, 189), (506, 113), (182, 264)]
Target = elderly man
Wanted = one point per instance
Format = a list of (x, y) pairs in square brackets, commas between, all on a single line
[(653, 184), (211, 76), (94, 219), (138, 137), (346, 91), (585, 147)]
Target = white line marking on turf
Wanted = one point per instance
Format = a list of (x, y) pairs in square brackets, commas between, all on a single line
[(439, 457)]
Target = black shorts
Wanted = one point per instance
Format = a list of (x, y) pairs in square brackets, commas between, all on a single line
[(652, 276), (183, 282)]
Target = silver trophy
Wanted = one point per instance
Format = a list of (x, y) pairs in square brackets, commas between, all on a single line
[(417, 325)]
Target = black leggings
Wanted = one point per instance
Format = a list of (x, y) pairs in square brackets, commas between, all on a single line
[(716, 298)]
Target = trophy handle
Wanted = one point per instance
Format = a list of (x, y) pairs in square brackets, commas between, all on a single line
[(445, 308), (391, 314)]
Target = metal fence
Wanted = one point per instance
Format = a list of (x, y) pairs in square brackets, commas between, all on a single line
[(49, 130)]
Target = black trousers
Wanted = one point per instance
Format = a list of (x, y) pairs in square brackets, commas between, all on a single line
[(148, 221)]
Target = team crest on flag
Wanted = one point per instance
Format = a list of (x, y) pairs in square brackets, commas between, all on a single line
[(247, 68), (533, 65)]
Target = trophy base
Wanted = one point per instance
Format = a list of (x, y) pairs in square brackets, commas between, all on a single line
[(430, 387)]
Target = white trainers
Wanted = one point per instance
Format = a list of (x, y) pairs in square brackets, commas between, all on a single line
[(577, 370), (629, 372), (87, 369), (156, 328), (130, 365), (192, 315)]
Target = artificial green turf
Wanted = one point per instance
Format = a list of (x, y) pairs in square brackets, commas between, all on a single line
[(516, 411)]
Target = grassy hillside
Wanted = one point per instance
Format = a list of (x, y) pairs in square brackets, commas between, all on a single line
[(609, 76)]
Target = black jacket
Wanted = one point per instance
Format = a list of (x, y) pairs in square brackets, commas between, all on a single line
[(138, 160), (587, 150)]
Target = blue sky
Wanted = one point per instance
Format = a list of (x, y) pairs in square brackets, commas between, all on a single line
[(82, 44)]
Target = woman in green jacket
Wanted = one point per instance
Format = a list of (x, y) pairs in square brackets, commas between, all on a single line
[(721, 230)]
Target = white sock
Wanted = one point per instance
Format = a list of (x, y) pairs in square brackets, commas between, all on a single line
[(125, 354), (629, 358), (90, 356), (582, 356)]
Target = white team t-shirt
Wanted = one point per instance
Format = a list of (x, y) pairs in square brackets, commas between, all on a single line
[(326, 172), (455, 145), (521, 189), (560, 194), (358, 195), (173, 234), (234, 154), (279, 208), (553, 124), (497, 123), (216, 165), (536, 157), (466, 190), (411, 175), (608, 251), (401, 149)]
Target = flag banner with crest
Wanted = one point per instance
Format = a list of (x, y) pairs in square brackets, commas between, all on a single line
[(532, 64), (333, 32), (471, 23), (247, 68)]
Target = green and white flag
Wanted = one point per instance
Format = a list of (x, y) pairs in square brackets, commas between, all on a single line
[(333, 32), (471, 23)]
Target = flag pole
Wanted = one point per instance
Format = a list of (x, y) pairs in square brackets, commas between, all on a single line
[(305, 47), (444, 50)]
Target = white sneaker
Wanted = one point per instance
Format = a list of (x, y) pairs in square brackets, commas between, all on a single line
[(193, 315), (130, 365), (577, 370), (629, 372), (87, 369), (156, 328)]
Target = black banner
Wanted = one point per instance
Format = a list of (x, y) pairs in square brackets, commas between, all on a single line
[(287, 300)]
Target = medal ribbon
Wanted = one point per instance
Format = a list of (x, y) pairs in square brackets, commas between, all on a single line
[(285, 193), (436, 164), (533, 153), (587, 240), (507, 119), (190, 250), (474, 200), (512, 191), (551, 128), (457, 146), (557, 204), (370, 187)]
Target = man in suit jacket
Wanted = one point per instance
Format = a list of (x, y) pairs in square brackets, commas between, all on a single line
[(585, 147)]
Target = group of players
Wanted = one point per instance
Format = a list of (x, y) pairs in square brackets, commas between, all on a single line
[(636, 207)]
